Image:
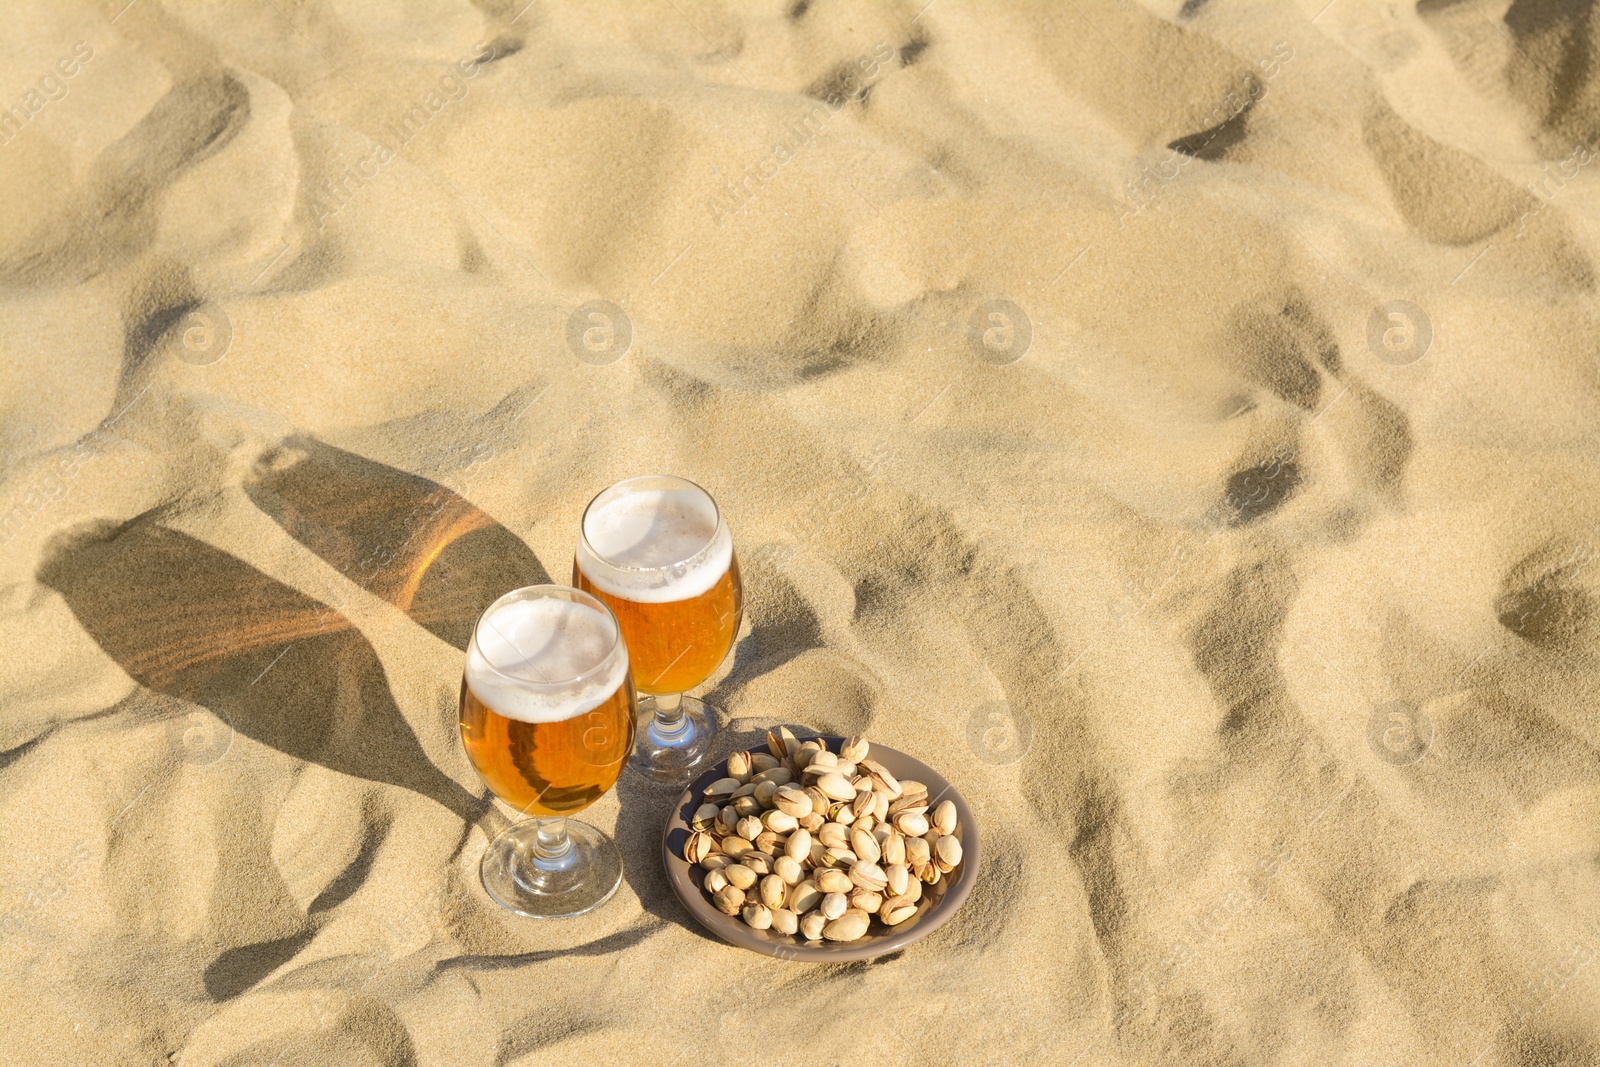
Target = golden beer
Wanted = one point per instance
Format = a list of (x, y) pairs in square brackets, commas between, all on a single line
[(674, 646), (548, 716), (654, 549), (549, 768)]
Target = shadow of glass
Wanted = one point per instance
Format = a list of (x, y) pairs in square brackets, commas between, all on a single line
[(191, 621), (408, 540)]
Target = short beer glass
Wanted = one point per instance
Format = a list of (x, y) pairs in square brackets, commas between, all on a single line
[(547, 718), (656, 550)]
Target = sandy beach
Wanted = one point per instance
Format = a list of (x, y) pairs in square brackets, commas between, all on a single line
[(1176, 422)]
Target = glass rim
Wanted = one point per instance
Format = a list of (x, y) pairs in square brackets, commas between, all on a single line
[(588, 546), (551, 590)]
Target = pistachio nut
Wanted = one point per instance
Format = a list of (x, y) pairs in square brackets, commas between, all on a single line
[(831, 880), (798, 846), (911, 825), (785, 921), (893, 848), (792, 800), (812, 925), (729, 899), (833, 905), (867, 900), (865, 846), (848, 926), (698, 847), (897, 910), (788, 869), (758, 916), (836, 787), (804, 897), (780, 822)]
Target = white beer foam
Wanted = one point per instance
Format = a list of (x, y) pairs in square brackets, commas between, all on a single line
[(655, 546), (544, 642)]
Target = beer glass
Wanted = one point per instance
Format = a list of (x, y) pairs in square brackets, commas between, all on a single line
[(656, 550), (547, 718)]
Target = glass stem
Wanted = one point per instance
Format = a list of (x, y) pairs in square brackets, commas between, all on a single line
[(669, 715), (552, 849)]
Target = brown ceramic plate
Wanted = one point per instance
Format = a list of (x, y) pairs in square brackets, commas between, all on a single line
[(938, 903)]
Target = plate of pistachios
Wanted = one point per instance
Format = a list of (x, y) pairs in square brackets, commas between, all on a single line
[(826, 849)]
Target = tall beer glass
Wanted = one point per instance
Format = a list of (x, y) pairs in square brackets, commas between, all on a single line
[(547, 718), (656, 550)]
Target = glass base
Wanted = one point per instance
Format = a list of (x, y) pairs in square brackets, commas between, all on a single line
[(580, 880), (676, 752)]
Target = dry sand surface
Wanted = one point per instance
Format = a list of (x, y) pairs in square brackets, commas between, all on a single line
[(1175, 422)]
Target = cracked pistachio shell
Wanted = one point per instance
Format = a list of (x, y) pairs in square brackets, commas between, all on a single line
[(779, 742), (868, 876), (792, 800), (854, 750), (898, 878), (759, 862), (812, 925), (897, 910), (736, 846), (841, 858), (881, 776), (698, 847), (779, 822), (944, 818), (848, 926), (773, 891), (722, 788), (714, 881), (834, 835), (758, 916), (765, 791), (729, 899), (749, 827), (865, 846), (893, 848), (947, 853), (785, 921), (739, 875), (833, 905), (739, 766), (705, 816), (863, 804), (761, 761)]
